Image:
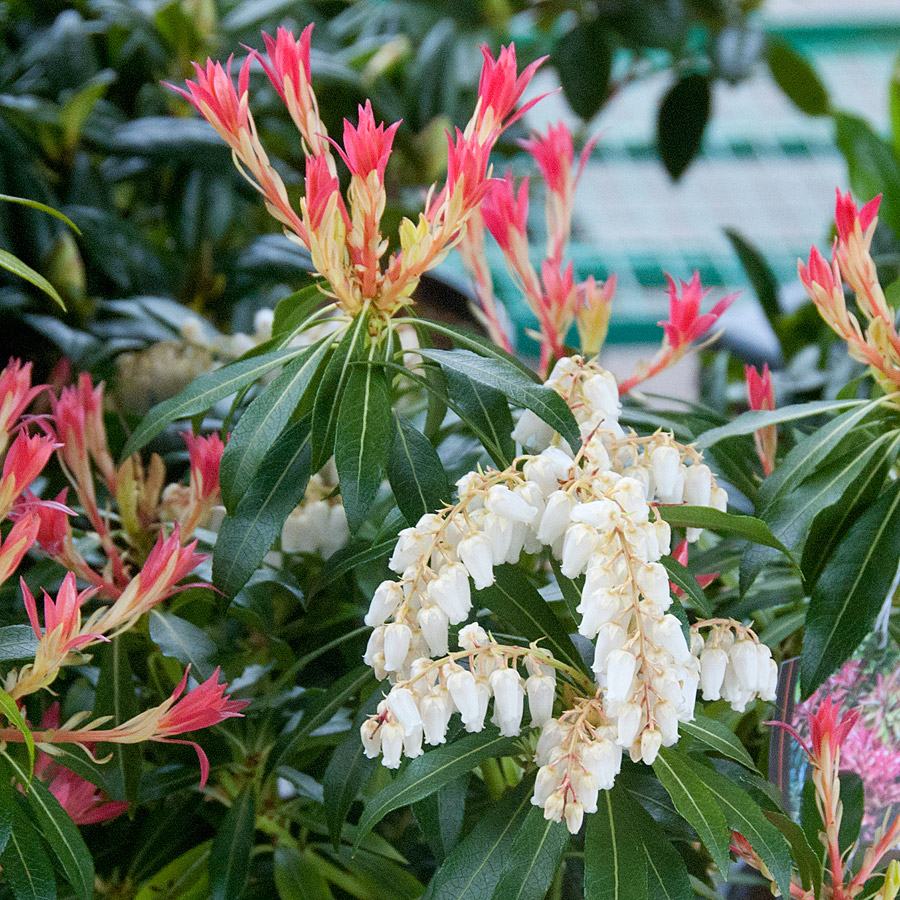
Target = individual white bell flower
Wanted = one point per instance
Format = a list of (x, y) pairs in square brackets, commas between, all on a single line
[(610, 637), (742, 656), (435, 629), (385, 600), (641, 474), (698, 482), (423, 675), (554, 807), (461, 684), (520, 533), (574, 813), (596, 610), (370, 733), (600, 514), (643, 542), (403, 707), (713, 663), (665, 714), (504, 502), (628, 724), (476, 553), (397, 638), (336, 532), (547, 781), (552, 735), (653, 582), (629, 494), (451, 592), (472, 636), (579, 544), (391, 744), (769, 691), (586, 788), (763, 655), (374, 645), (651, 741), (506, 685), (412, 743), (500, 531), (665, 462), (734, 691), (602, 392), (410, 547), (697, 643), (483, 692), (541, 691), (689, 685), (663, 536), (556, 517), (620, 668), (532, 431), (434, 719), (718, 499), (603, 759), (669, 634)]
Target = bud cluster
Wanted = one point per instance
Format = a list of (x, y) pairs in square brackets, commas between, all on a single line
[(596, 511)]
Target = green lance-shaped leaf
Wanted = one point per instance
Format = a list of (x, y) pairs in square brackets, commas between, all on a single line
[(473, 868), (185, 878), (583, 60), (278, 486), (60, 833), (718, 737), (8, 799), (417, 477), (204, 392), (681, 122), (797, 78), (432, 771), (440, 816), (362, 440), (184, 641), (747, 527), (744, 816), (682, 578), (667, 875), (10, 709), (486, 411), (520, 606), (229, 858), (534, 858), (264, 420), (330, 392), (752, 421), (297, 877), (695, 803), (292, 311), (615, 867), (852, 590), (809, 866), (15, 265), (42, 207), (504, 377), (26, 867), (17, 642), (319, 713), (347, 773), (116, 697)]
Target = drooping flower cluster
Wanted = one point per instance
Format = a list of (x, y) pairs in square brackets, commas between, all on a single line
[(596, 510), (344, 237), (877, 343)]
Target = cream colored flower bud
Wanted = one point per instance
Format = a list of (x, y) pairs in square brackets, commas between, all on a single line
[(580, 542), (402, 704), (476, 553), (506, 685), (397, 638), (620, 668), (461, 685), (665, 463), (435, 629), (412, 743), (472, 636), (504, 502), (556, 517), (370, 733), (651, 741), (391, 744), (385, 600), (713, 663), (628, 724), (541, 694), (546, 782)]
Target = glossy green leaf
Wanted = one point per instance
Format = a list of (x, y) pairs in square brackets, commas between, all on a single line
[(797, 78), (432, 771), (809, 867), (185, 878), (504, 377), (116, 697), (417, 477), (15, 265), (473, 868), (681, 122), (26, 867), (8, 799), (853, 808), (682, 578), (263, 422), (362, 440), (279, 485), (330, 392), (694, 801), (229, 857), (347, 772), (520, 606), (42, 207), (749, 422), (486, 411), (440, 816), (852, 590), (60, 833), (292, 311), (204, 392), (10, 709), (184, 641), (318, 713), (667, 875), (614, 862), (745, 817), (296, 876), (718, 737), (17, 642), (583, 60), (746, 527), (533, 859), (762, 278)]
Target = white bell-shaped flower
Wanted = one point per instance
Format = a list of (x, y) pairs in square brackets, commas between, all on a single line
[(620, 669), (506, 685), (391, 744), (403, 707), (435, 629), (397, 638), (476, 553), (580, 542), (385, 600)]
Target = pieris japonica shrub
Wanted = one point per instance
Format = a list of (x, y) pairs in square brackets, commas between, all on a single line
[(524, 592)]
